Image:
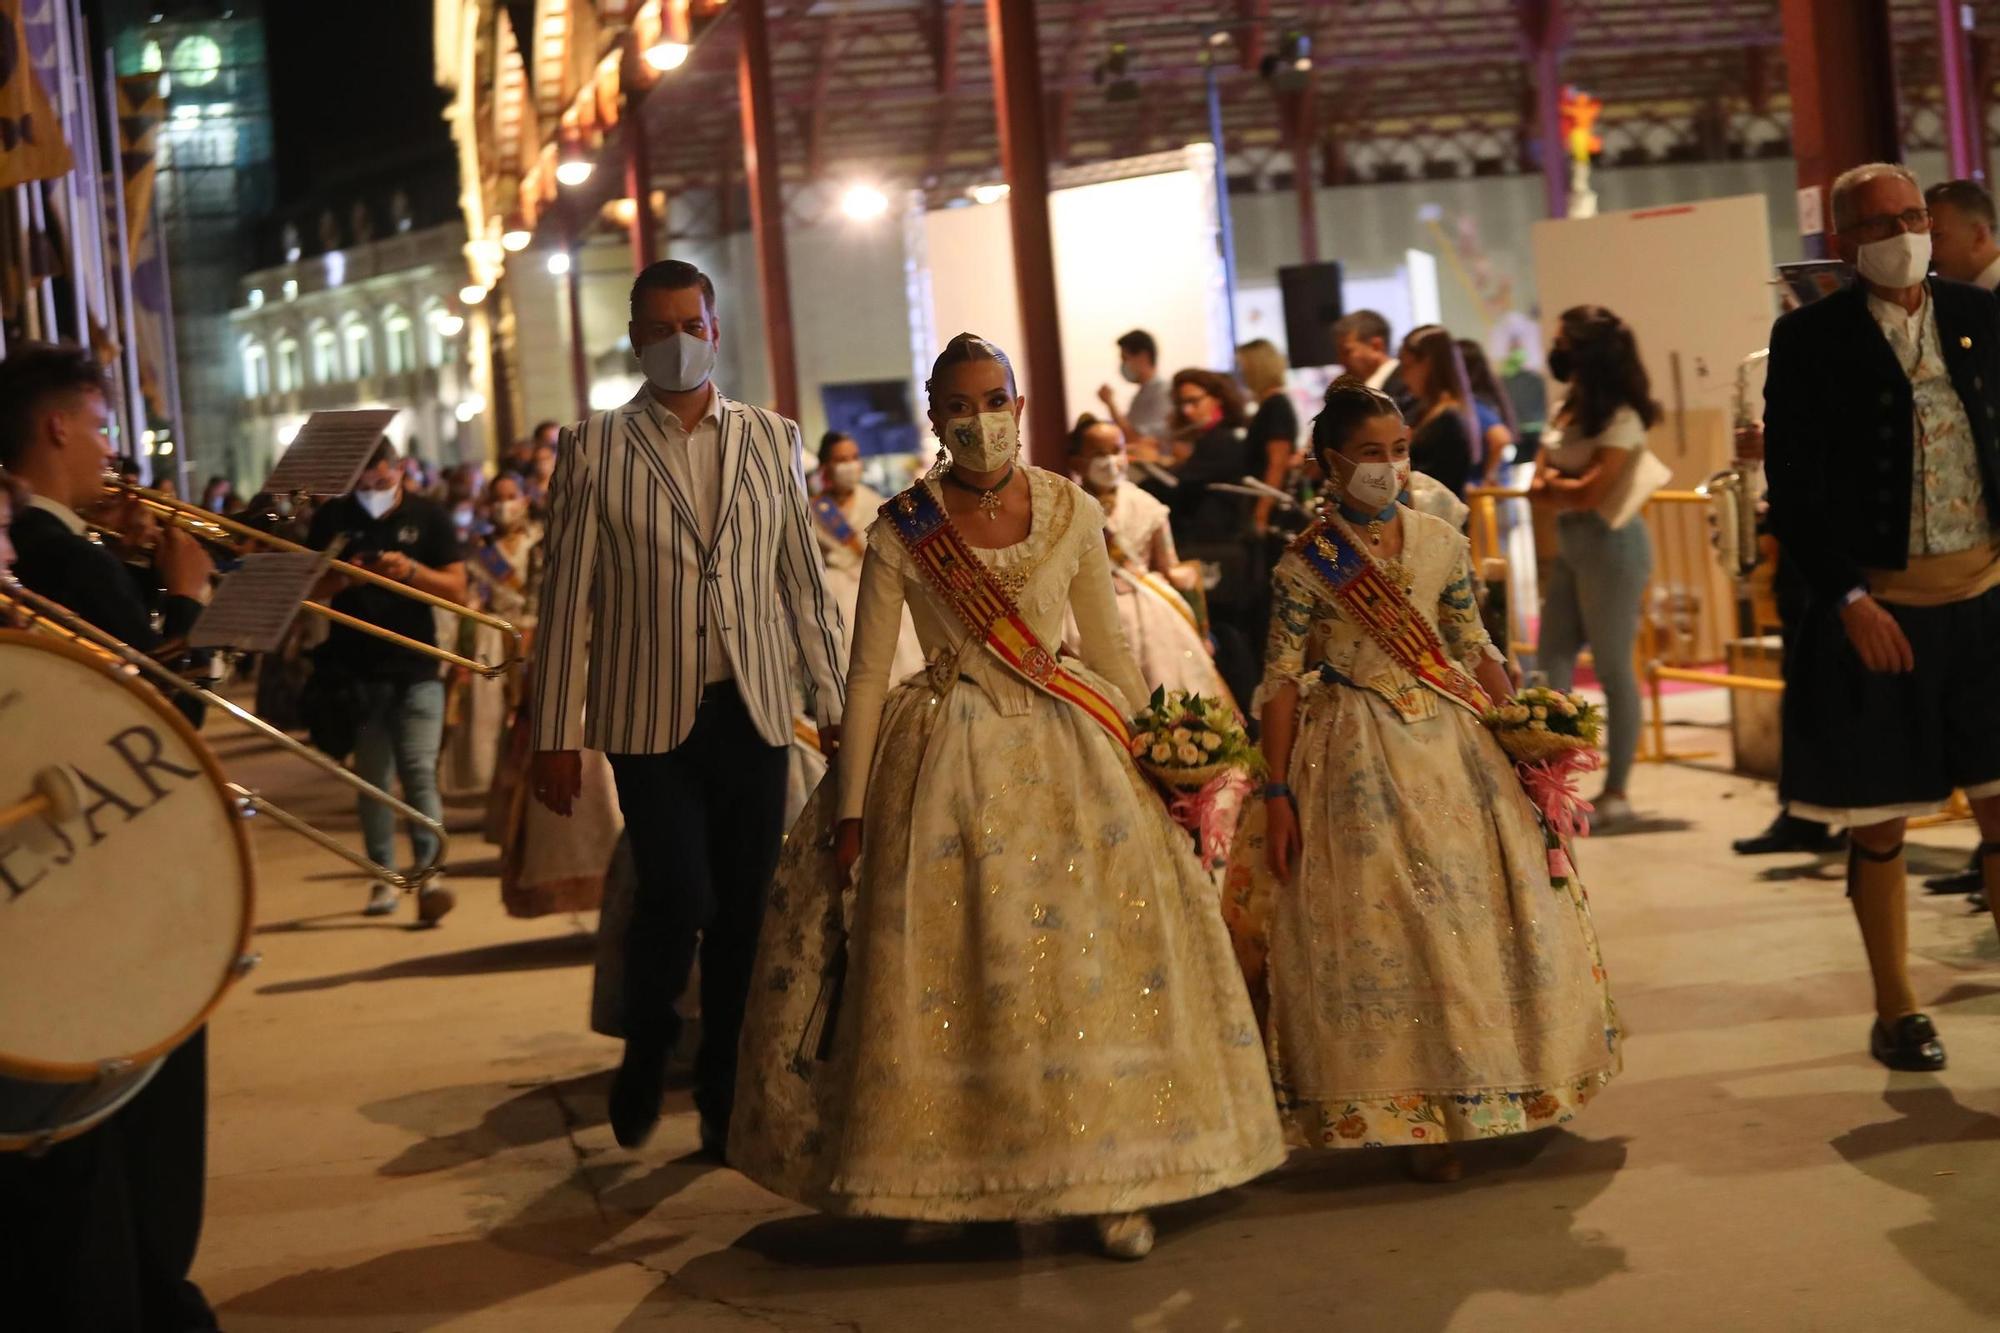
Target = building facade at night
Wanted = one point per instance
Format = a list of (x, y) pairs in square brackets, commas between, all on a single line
[(363, 323)]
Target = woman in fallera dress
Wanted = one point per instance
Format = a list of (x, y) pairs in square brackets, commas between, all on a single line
[(993, 983), (843, 511), (1158, 621), (1427, 980)]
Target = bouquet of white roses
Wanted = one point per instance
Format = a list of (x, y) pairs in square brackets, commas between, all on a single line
[(1540, 724), (1188, 740)]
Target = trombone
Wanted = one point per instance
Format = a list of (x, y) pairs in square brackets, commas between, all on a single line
[(38, 614), (234, 537)]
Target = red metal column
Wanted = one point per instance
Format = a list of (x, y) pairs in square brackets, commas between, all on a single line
[(1300, 129), (1017, 97), (638, 185), (1544, 32), (1964, 95), (579, 358), (1841, 69), (767, 203)]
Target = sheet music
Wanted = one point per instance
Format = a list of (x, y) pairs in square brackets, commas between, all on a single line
[(254, 604), (329, 452)]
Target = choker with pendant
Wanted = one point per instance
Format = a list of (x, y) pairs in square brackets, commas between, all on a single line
[(989, 498), (1372, 524)]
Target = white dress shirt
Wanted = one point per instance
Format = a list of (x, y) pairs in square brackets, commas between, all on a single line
[(1383, 372), (696, 456), (62, 511), (1989, 277)]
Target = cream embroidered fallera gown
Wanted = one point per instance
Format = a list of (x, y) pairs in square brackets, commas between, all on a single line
[(843, 578), (1159, 626), (1041, 1015), (1426, 980)]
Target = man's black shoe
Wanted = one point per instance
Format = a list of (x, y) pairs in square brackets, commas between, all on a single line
[(1966, 881), (1910, 1044), (636, 1093), (714, 1139), (1788, 833)]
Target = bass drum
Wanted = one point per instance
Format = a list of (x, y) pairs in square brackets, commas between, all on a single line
[(121, 925)]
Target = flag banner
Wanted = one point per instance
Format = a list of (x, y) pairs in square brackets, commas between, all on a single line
[(141, 110), (32, 146)]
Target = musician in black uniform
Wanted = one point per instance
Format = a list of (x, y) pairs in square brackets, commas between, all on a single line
[(98, 1234)]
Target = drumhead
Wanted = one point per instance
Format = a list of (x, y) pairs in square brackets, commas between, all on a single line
[(119, 928)]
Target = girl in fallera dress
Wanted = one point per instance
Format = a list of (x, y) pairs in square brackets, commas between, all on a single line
[(1158, 621), (1427, 981), (993, 981), (843, 511)]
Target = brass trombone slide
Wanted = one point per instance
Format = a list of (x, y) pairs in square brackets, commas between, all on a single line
[(32, 611), (217, 530)]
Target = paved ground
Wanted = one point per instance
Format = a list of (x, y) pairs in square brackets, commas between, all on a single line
[(408, 1134)]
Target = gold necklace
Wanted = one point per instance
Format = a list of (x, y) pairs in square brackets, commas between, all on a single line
[(989, 500)]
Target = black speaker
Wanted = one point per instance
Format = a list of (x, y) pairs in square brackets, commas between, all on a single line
[(1311, 294)]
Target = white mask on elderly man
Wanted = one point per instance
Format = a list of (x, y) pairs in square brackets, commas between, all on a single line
[(1106, 471), (845, 476), (983, 443), (1897, 261)]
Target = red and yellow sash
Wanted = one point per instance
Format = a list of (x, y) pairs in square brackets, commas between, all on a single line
[(1378, 606), (969, 588)]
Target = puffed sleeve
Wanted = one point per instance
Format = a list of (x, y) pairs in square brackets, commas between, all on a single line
[(1464, 633), (878, 622), (1294, 607), (1099, 631)]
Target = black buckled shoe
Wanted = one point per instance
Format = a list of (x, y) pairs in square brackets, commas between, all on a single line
[(1910, 1044), (1788, 833)]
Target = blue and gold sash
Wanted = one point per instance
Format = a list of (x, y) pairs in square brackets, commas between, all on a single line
[(969, 588), (1330, 550), (827, 510)]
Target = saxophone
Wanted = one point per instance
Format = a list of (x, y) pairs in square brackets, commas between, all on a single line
[(1732, 509)]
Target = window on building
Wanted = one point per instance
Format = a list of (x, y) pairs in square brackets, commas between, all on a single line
[(256, 370), (291, 366), (400, 338), (326, 356), (434, 336), (360, 349)]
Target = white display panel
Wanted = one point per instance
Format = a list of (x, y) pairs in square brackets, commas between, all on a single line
[(1138, 252)]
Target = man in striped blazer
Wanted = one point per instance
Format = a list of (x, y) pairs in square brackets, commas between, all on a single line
[(683, 591)]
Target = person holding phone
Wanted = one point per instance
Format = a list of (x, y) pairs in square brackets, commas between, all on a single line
[(412, 540)]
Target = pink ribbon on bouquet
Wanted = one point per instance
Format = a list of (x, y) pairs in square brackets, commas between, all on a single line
[(1210, 814), (1551, 785)]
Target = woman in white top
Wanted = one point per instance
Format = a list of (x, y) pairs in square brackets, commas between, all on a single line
[(1023, 1003), (1596, 585), (1160, 626), (843, 511)]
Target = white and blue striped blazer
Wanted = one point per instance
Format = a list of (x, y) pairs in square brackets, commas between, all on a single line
[(633, 602)]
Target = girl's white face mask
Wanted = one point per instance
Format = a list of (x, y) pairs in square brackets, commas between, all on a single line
[(1106, 471), (983, 443), (1373, 487)]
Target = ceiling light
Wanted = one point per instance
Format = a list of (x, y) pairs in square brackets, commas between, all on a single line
[(989, 194), (472, 293), (559, 262), (516, 240), (451, 325), (573, 171), (864, 202), (664, 56)]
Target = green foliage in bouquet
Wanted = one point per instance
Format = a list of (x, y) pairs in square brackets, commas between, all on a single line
[(1540, 722)]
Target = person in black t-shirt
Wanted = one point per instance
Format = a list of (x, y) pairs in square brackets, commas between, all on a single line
[(401, 699)]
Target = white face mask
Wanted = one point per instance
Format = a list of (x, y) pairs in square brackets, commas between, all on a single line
[(1899, 261), (507, 513), (1375, 486), (983, 443), (377, 503), (1106, 471), (680, 364), (845, 476)]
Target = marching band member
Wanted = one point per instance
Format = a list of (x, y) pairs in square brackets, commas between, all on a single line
[(1427, 982), (1031, 1010), (100, 1232)]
